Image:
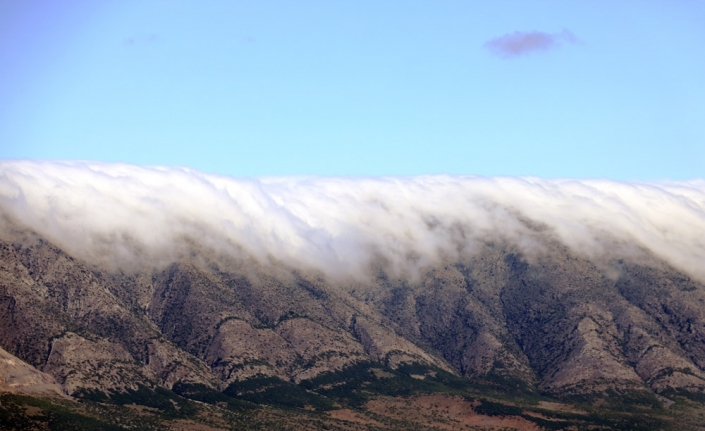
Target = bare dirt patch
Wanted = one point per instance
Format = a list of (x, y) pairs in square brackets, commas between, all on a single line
[(352, 416), (381, 374), (560, 407), (187, 425), (445, 412)]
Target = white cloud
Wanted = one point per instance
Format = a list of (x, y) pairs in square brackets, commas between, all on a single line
[(122, 215)]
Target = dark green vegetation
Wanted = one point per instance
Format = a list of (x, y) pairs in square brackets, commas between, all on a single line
[(204, 394), (26, 413), (355, 385), (264, 402), (591, 419), (272, 390), (165, 401)]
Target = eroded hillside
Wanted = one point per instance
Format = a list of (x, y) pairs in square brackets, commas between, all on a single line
[(551, 324)]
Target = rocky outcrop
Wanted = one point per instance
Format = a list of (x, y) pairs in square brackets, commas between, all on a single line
[(19, 377), (77, 362)]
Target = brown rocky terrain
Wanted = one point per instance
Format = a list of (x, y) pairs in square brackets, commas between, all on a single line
[(552, 324)]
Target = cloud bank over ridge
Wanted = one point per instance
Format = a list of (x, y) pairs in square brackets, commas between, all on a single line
[(120, 215)]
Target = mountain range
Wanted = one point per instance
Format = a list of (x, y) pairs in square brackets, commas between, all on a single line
[(320, 303)]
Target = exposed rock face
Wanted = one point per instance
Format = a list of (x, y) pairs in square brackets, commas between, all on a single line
[(102, 364), (18, 376), (555, 322)]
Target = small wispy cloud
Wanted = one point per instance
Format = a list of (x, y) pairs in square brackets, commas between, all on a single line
[(525, 42), (139, 39)]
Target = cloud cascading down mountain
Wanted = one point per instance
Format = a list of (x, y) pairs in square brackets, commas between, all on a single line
[(124, 216), (116, 277)]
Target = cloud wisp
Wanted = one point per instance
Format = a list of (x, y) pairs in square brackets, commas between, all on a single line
[(124, 216), (520, 42), (141, 39)]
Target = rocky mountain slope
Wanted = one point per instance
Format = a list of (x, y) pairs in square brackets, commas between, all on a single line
[(278, 303), (555, 323)]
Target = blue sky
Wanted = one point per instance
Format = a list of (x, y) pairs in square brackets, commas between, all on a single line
[(553, 88)]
